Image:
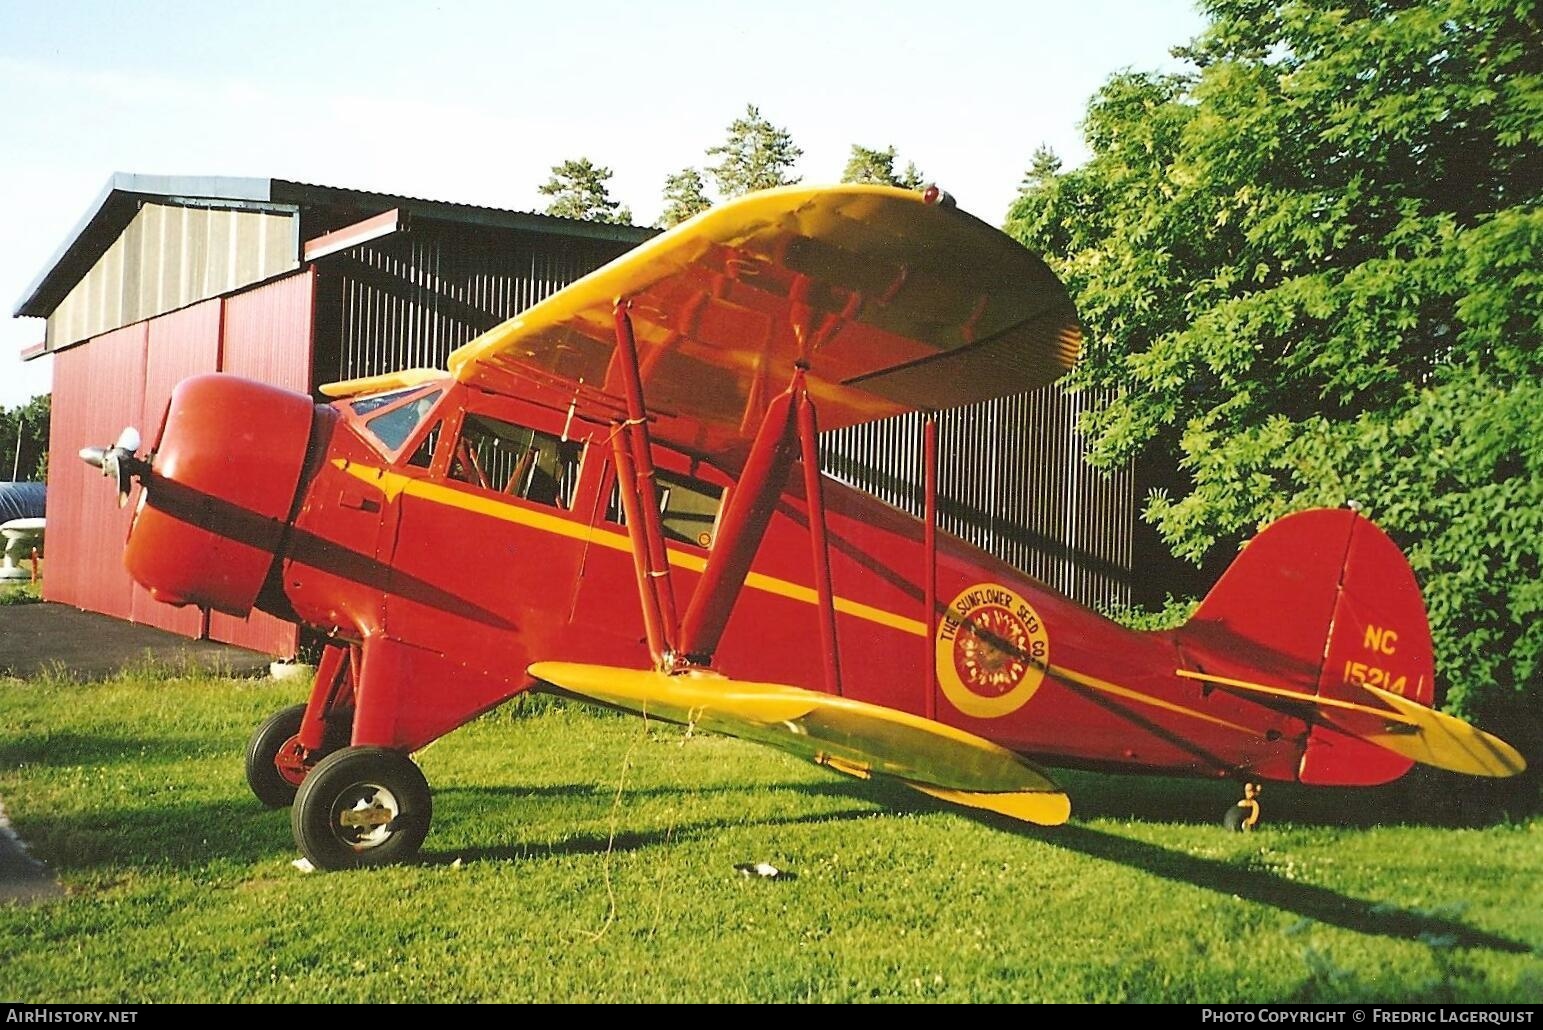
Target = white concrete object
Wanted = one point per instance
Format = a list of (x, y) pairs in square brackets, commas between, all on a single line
[(21, 536)]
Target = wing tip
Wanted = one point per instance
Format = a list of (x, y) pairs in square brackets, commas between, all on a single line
[(1042, 808)]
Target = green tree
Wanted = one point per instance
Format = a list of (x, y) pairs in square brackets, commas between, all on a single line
[(32, 420), (684, 195), (1310, 272), (1043, 168), (756, 156), (878, 166), (578, 190)]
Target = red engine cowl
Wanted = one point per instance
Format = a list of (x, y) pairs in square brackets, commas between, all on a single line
[(219, 493)]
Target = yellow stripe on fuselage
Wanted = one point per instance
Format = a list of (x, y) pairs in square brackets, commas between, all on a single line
[(394, 484)]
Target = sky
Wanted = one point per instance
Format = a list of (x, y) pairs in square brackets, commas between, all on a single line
[(474, 102)]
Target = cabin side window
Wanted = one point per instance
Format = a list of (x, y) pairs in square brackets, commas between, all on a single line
[(423, 455), (516, 461), (688, 508)]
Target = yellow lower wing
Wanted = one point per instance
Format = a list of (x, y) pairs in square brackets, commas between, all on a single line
[(849, 736)]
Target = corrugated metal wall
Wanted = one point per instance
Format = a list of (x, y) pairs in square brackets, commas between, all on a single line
[(98, 389), (1012, 480), (408, 300), (171, 256), (268, 332)]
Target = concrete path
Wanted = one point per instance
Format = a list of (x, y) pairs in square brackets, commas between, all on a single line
[(34, 637)]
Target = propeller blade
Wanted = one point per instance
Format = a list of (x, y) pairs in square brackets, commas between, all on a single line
[(849, 736), (118, 462)]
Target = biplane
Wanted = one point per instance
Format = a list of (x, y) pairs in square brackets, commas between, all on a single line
[(617, 495)]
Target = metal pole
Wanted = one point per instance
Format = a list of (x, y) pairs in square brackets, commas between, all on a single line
[(930, 547), (16, 465), (814, 497), (658, 560)]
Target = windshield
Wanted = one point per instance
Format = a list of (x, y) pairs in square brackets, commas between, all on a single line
[(393, 426)]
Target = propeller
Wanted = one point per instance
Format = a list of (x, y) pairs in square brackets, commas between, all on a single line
[(118, 462)]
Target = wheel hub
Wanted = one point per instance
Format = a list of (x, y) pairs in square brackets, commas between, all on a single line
[(291, 761), (363, 814)]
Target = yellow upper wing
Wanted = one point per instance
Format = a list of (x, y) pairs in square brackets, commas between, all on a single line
[(896, 304)]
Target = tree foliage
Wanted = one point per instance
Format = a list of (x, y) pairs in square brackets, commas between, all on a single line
[(578, 190), (685, 195), (1311, 270), (32, 420), (878, 166), (756, 156)]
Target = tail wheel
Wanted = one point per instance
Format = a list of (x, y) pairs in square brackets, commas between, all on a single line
[(276, 763), (362, 806)]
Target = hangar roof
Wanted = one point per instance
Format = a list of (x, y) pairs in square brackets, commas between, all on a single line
[(125, 192)]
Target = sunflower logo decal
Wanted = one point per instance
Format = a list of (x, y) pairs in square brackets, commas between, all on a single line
[(992, 651)]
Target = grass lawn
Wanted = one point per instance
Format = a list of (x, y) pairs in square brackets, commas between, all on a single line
[(21, 592), (583, 856)]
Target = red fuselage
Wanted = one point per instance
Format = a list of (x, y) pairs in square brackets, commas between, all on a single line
[(446, 578)]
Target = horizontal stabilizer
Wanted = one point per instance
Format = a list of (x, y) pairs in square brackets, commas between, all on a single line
[(1444, 741), (1412, 730), (849, 736)]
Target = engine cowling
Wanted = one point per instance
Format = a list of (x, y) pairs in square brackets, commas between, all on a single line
[(218, 496)]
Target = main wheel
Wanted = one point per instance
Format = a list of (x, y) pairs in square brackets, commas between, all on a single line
[(362, 806), (275, 762)]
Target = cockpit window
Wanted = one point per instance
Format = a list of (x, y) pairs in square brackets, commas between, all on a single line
[(393, 427), (423, 457), (688, 508), (516, 460)]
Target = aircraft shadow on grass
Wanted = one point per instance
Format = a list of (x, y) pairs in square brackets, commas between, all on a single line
[(624, 840), (1260, 886), (179, 836), (64, 748)]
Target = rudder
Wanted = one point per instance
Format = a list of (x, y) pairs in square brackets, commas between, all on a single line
[(1329, 601)]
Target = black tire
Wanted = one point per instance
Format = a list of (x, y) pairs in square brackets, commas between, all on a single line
[(262, 775), (362, 806), (272, 789)]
